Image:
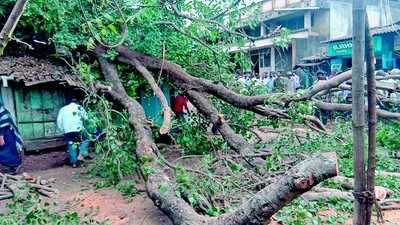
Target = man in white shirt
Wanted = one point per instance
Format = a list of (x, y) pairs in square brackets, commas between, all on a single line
[(70, 121)]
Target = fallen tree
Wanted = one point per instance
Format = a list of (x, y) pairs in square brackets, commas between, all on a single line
[(159, 185), (160, 188), (252, 211)]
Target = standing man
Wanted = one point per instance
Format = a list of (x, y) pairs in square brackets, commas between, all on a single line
[(70, 121), (10, 143)]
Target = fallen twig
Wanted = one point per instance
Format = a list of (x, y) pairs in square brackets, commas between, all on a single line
[(10, 185)]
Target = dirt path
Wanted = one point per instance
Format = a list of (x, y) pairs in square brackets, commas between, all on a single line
[(77, 193)]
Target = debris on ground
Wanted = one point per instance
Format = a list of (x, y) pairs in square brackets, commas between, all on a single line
[(12, 185)]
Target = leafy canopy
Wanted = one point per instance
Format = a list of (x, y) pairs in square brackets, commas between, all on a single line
[(194, 34)]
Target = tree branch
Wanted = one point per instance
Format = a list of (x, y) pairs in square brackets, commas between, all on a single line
[(159, 93), (11, 24), (347, 108), (161, 189)]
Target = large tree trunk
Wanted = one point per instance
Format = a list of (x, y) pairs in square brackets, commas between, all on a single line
[(161, 189), (11, 23), (358, 111)]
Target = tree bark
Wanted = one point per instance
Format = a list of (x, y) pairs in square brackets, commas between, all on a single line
[(358, 110), (372, 119), (159, 93), (326, 85), (204, 106), (161, 189), (188, 82), (11, 23), (158, 185), (347, 107)]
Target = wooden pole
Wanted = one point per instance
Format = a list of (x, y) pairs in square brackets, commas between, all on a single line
[(358, 114), (11, 23), (372, 118)]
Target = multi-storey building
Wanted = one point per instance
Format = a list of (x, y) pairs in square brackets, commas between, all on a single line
[(316, 28)]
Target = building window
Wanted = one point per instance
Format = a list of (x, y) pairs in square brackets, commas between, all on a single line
[(292, 23), (312, 19), (265, 58)]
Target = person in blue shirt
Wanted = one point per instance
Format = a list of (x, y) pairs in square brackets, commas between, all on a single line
[(70, 121), (10, 143)]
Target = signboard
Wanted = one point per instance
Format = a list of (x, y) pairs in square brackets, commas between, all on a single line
[(342, 48), (345, 48)]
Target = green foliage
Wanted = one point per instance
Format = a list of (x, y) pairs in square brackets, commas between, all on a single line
[(32, 210), (127, 188), (88, 72), (147, 26), (114, 161), (197, 191), (284, 38), (5, 6), (301, 212), (193, 137), (388, 135), (299, 109), (274, 162)]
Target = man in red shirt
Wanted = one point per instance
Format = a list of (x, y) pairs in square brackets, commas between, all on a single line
[(180, 105)]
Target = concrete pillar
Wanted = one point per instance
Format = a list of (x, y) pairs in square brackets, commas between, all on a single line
[(273, 58), (263, 29), (294, 53), (307, 20)]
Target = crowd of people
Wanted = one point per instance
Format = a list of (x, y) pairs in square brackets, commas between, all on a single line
[(292, 81), (274, 81)]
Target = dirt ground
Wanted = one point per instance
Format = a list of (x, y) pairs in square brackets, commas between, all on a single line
[(44, 160), (78, 193)]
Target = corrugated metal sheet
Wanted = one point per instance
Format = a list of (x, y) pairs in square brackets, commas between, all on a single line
[(374, 31)]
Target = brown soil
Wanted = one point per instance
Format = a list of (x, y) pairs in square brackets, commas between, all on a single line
[(78, 193), (44, 160)]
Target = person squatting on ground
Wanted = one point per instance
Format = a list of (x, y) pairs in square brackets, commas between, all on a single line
[(10, 143), (70, 121)]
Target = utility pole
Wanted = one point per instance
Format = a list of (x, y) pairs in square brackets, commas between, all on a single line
[(358, 113), (372, 120), (381, 13)]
